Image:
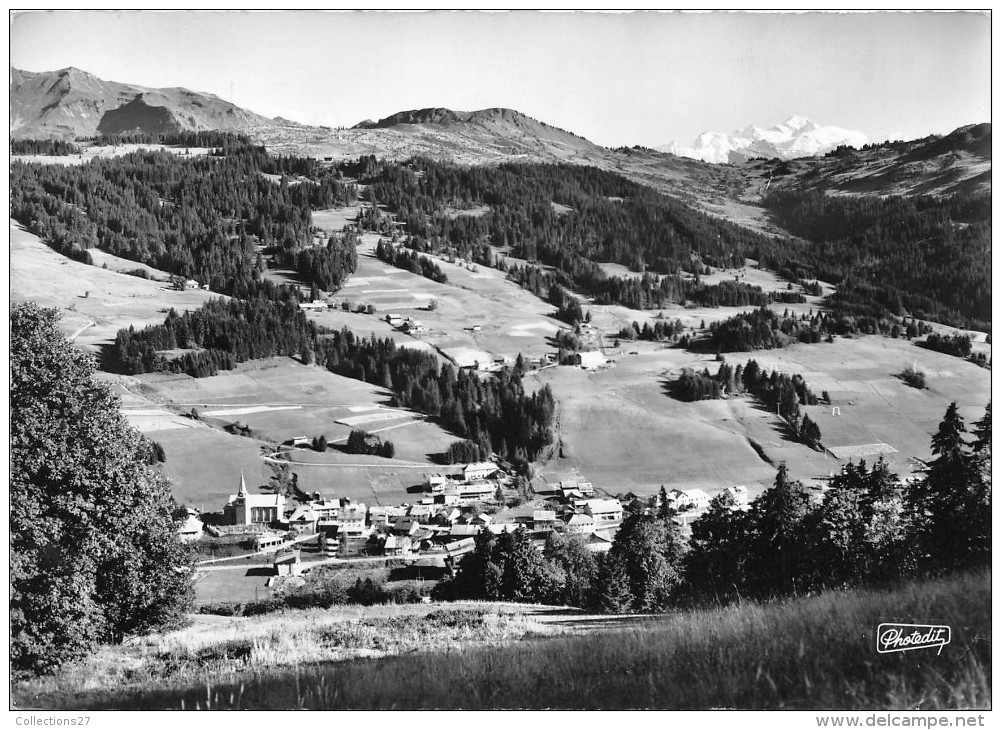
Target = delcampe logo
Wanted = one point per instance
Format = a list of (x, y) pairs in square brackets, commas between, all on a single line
[(907, 637)]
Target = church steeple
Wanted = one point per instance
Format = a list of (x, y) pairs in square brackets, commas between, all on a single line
[(243, 485)]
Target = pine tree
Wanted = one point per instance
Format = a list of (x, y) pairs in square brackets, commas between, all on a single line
[(773, 545), (946, 501)]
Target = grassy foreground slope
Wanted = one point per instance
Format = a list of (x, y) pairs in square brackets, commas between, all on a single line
[(809, 653)]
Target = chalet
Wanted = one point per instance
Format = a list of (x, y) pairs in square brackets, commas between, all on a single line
[(303, 521), (543, 520), (543, 488), (474, 492), (422, 513), (413, 326), (688, 499), (462, 531), (394, 320), (481, 520), (580, 524), (287, 564), (478, 470), (397, 545), (314, 306), (406, 526), (336, 542), (604, 510), (591, 359), (191, 284), (574, 488), (435, 482), (351, 519), (325, 509), (461, 546), (254, 509), (698, 498), (191, 528), (385, 516)]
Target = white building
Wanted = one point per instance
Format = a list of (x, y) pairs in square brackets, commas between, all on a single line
[(436, 482), (478, 470), (591, 359), (191, 528), (604, 510), (694, 499), (252, 509), (580, 524)]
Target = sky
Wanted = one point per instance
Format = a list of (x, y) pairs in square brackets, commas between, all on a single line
[(616, 78)]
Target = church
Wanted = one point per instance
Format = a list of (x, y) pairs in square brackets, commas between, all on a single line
[(247, 509)]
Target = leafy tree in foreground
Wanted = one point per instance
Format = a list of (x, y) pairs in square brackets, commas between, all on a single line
[(649, 550), (94, 553)]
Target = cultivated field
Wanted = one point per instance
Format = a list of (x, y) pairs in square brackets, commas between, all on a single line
[(511, 320), (620, 429), (278, 399), (94, 302)]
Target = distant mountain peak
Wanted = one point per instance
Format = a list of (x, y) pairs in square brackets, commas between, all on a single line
[(72, 103), (797, 136)]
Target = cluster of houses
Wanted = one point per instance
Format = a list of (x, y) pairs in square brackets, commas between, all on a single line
[(441, 526), (406, 324)]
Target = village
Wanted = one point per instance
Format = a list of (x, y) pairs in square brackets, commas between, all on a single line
[(293, 534)]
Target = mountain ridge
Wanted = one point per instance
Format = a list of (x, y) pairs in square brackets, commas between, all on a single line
[(70, 103)]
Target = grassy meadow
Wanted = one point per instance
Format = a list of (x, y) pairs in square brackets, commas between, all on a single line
[(815, 652)]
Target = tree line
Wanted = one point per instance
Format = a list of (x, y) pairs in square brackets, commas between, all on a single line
[(49, 147), (410, 261)]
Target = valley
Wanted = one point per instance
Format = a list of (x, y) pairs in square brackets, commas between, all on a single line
[(463, 399)]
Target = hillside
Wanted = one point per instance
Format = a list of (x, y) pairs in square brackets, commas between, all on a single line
[(810, 653), (72, 103), (956, 163), (959, 162)]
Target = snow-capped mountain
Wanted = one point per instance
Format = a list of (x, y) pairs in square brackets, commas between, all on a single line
[(795, 137)]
